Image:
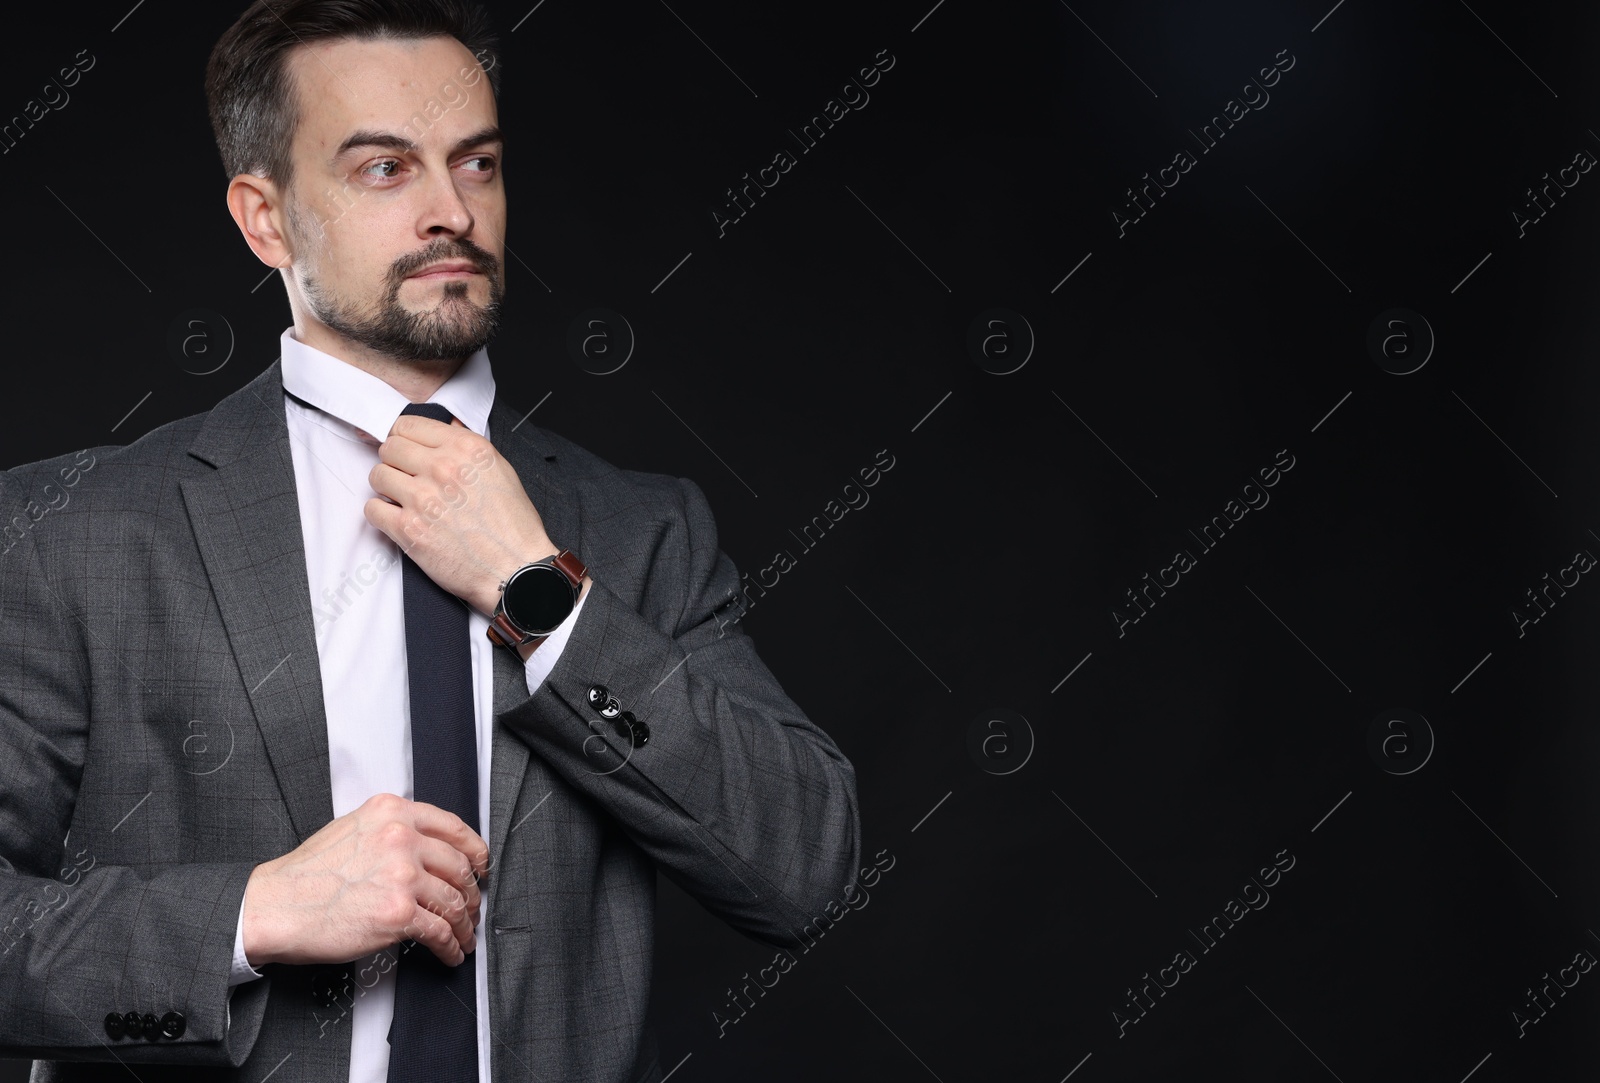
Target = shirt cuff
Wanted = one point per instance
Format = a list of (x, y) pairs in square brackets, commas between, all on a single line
[(242, 970), (544, 657)]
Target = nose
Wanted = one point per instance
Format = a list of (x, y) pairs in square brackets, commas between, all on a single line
[(444, 211)]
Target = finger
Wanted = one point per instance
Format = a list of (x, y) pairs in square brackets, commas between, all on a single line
[(399, 486), (457, 890), (442, 824), (434, 933), (453, 893), (406, 454), (383, 515), (422, 429), (451, 908), (392, 520), (441, 899), (438, 469)]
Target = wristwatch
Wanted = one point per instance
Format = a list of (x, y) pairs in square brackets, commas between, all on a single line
[(536, 599)]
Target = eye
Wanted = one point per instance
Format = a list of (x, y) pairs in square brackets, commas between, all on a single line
[(486, 166), (379, 165)]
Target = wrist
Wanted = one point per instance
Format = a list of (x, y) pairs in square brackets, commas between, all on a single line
[(255, 924)]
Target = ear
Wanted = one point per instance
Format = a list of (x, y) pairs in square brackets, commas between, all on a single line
[(256, 204)]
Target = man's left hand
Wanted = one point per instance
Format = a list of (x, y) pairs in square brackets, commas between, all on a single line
[(456, 507)]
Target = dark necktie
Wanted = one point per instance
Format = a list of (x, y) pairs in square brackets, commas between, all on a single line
[(434, 1035)]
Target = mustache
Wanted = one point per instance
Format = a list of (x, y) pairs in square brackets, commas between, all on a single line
[(480, 259)]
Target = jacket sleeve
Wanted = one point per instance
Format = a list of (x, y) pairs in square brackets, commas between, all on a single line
[(736, 795), (80, 937)]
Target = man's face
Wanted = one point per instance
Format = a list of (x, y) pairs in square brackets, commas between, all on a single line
[(397, 160)]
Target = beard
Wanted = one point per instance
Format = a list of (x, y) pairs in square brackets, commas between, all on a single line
[(452, 330)]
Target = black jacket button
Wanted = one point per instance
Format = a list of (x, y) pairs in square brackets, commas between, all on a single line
[(603, 702), (631, 729), (114, 1028), (151, 1027), (327, 987), (634, 730), (173, 1025), (132, 1024)]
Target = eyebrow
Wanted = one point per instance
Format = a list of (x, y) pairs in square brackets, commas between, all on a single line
[(369, 137)]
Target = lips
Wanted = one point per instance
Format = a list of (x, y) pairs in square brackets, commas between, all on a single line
[(447, 268)]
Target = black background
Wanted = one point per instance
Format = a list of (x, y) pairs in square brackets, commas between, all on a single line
[(1219, 730)]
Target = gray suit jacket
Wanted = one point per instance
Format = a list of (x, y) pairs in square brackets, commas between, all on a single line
[(162, 732)]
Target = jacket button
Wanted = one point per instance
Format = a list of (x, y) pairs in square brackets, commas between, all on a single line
[(150, 1027), (598, 694), (173, 1025), (114, 1028), (132, 1024), (327, 987), (631, 729)]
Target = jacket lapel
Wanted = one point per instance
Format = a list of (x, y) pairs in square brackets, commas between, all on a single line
[(246, 521)]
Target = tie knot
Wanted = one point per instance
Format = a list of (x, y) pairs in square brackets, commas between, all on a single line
[(429, 409)]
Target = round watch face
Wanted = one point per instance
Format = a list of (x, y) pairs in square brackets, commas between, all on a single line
[(538, 598)]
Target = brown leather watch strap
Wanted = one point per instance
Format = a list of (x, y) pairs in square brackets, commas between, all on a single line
[(502, 634), (569, 565)]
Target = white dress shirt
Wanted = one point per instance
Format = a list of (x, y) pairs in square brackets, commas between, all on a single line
[(357, 604)]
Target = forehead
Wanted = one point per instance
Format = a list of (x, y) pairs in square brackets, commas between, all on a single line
[(435, 85)]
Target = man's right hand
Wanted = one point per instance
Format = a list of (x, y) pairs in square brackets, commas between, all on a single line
[(389, 871)]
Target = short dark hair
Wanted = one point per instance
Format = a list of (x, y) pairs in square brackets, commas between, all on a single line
[(249, 91)]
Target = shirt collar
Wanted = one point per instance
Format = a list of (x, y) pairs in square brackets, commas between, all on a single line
[(371, 406)]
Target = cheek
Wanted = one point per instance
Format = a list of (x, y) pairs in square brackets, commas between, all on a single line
[(355, 241), (362, 262), (489, 216)]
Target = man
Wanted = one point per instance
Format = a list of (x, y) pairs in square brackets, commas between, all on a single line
[(346, 735)]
